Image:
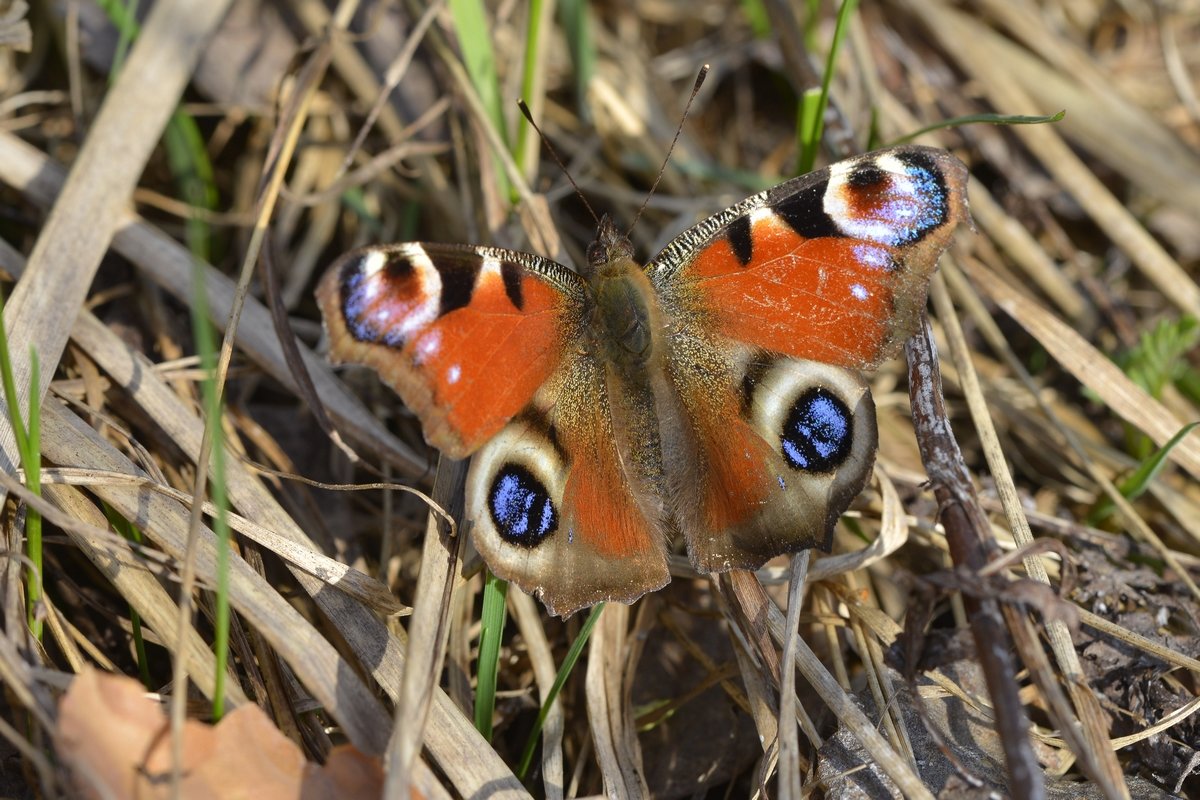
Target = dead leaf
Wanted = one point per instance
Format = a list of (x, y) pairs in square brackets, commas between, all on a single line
[(116, 744)]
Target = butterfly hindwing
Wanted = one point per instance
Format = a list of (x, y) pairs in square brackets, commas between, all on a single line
[(465, 335), (780, 452), (567, 497)]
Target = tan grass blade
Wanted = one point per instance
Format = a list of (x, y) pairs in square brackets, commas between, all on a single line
[(527, 615), (428, 630), (789, 739), (609, 713), (169, 265), (81, 225), (973, 46), (763, 710)]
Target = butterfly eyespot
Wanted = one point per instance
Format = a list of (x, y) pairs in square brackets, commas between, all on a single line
[(818, 432), (893, 199), (520, 506), (386, 297)]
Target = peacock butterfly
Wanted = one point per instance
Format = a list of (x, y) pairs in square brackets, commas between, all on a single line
[(713, 393)]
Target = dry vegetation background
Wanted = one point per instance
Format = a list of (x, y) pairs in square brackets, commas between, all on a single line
[(1066, 326)]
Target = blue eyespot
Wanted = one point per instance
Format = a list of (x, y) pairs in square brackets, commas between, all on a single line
[(521, 507), (881, 206), (818, 432), (927, 209), (354, 306)]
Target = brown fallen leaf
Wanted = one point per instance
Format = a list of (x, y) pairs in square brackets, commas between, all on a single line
[(115, 742)]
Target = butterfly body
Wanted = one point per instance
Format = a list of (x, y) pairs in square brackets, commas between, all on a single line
[(713, 394), (624, 321)]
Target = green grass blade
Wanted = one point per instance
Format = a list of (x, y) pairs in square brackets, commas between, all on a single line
[(193, 173), (577, 23), (10, 389), (533, 35), (29, 451), (206, 349), (127, 28), (474, 36), (810, 136), (1136, 484), (221, 529), (189, 163), (33, 438), (491, 633), (808, 115), (560, 680), (873, 135), (31, 460), (473, 29), (188, 160), (988, 119)]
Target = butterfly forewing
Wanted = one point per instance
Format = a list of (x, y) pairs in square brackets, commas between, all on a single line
[(832, 266), (465, 335)]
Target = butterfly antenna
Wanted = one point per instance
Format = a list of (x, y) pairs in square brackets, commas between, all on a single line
[(554, 153), (695, 91)]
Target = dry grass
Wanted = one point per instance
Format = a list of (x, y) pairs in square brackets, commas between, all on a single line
[(1065, 351)]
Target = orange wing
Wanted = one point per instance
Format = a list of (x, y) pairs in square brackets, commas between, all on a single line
[(465, 335), (833, 266)]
